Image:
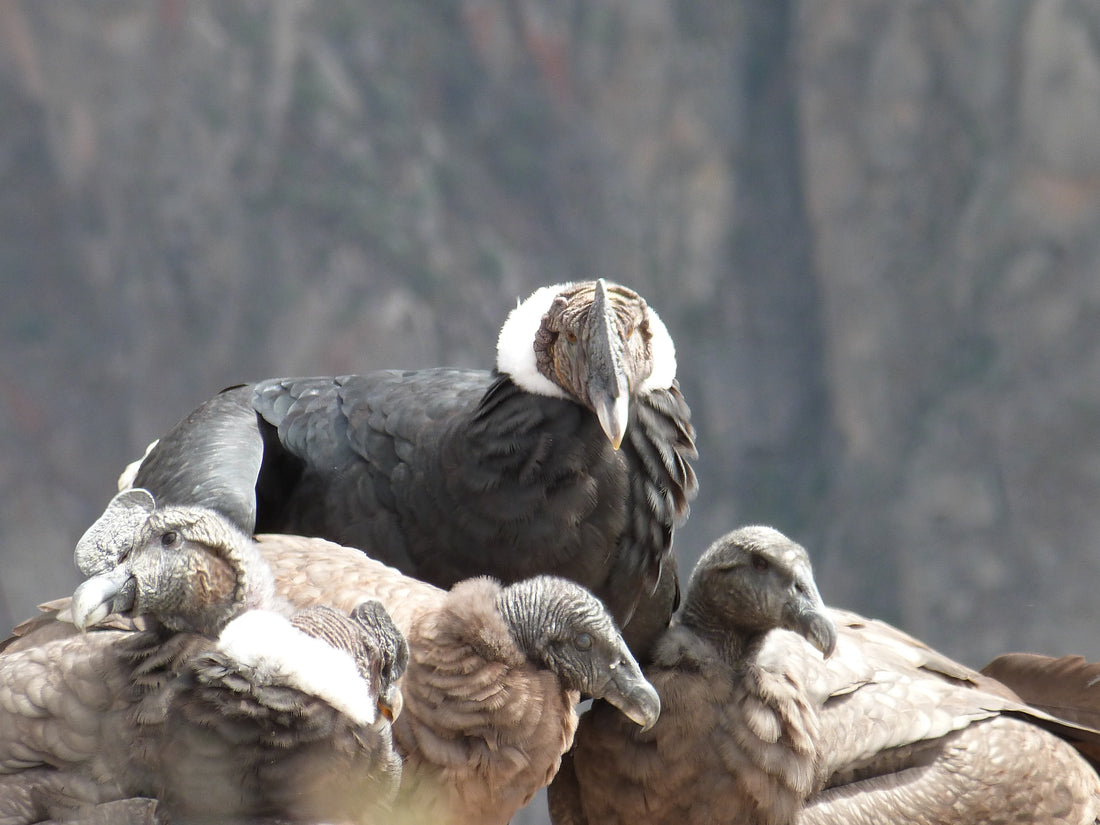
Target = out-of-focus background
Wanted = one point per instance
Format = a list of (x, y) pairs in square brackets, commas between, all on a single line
[(872, 228)]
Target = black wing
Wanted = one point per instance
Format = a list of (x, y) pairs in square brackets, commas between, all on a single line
[(446, 474), (450, 473), (210, 458)]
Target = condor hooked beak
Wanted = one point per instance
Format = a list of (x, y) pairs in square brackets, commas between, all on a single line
[(808, 616), (629, 691), (820, 631), (608, 387), (390, 703), (102, 595)]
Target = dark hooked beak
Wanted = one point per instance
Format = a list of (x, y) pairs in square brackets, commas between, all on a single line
[(102, 595), (820, 631), (628, 690), (608, 387), (807, 616)]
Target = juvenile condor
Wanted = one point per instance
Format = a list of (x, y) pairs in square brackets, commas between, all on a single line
[(736, 740), (757, 726), (207, 696), (570, 458), (494, 671)]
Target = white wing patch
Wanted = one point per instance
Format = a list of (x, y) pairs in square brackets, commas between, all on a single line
[(282, 654)]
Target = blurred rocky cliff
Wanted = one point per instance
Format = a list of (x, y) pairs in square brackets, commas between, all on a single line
[(872, 228)]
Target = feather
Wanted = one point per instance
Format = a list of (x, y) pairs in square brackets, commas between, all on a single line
[(758, 727), (736, 740), (1067, 687), (488, 712), (572, 458), (243, 724)]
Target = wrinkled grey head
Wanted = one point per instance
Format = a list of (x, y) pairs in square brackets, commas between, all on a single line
[(113, 534), (755, 579), (373, 641), (187, 566), (389, 647), (564, 628)]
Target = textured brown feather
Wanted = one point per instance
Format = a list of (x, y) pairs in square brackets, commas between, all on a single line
[(731, 741), (736, 738), (87, 718), (1067, 687), (482, 728), (884, 730), (238, 744), (907, 734), (310, 571), (79, 713)]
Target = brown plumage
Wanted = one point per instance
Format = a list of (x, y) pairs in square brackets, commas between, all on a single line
[(221, 708), (137, 810), (883, 730), (736, 738), (1067, 687), (493, 676), (907, 734)]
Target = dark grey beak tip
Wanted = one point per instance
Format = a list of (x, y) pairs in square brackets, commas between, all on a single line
[(635, 697), (821, 632), (649, 707)]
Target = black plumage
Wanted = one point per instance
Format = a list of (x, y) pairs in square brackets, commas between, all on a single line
[(571, 458)]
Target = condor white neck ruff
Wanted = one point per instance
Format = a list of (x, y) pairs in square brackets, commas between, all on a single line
[(516, 351)]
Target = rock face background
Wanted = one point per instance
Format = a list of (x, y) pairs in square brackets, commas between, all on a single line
[(872, 228)]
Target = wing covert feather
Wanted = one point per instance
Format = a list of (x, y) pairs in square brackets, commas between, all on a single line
[(311, 571)]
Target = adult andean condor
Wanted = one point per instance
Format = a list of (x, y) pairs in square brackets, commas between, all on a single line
[(571, 458)]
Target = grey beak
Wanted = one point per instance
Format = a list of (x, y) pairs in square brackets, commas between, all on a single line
[(808, 616), (820, 631), (628, 690), (98, 597), (608, 388)]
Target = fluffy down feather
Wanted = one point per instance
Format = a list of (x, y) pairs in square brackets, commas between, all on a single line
[(215, 727), (493, 676), (736, 740), (756, 724)]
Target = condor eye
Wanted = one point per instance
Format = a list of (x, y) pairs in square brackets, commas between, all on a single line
[(571, 336), (583, 641), (759, 563), (170, 539)]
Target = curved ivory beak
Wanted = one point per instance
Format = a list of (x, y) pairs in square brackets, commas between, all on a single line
[(96, 598), (608, 387), (391, 703)]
